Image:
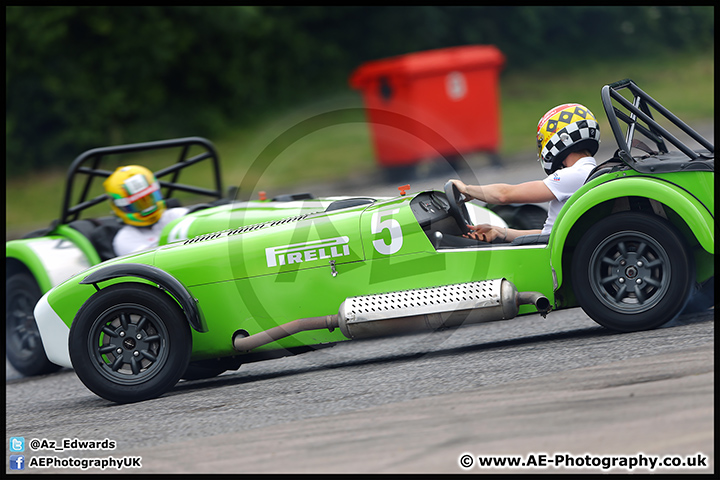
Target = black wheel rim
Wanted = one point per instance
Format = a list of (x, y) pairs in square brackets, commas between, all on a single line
[(630, 272), (128, 344), (23, 334)]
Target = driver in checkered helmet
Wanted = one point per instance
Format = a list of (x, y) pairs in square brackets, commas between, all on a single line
[(567, 138)]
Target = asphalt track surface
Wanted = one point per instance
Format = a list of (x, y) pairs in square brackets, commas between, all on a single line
[(414, 404), (560, 388)]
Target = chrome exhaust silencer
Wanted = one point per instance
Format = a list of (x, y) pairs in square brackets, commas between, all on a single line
[(409, 311)]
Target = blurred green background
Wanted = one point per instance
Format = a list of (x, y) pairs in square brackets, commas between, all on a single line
[(83, 77)]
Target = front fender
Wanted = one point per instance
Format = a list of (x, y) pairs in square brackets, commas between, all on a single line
[(697, 217), (161, 278), (53, 258)]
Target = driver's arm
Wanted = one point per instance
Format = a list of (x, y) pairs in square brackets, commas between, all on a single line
[(503, 193)]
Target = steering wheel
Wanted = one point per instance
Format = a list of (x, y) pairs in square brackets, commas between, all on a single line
[(458, 209)]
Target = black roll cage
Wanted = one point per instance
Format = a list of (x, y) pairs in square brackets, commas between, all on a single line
[(660, 161), (88, 163)]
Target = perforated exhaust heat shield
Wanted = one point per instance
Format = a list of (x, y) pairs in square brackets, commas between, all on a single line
[(432, 308)]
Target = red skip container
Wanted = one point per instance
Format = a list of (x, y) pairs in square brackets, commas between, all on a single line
[(436, 103)]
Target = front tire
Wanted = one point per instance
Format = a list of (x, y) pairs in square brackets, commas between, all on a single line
[(130, 342), (24, 348), (632, 271)]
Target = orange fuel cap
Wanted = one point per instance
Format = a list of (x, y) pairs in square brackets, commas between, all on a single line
[(403, 189)]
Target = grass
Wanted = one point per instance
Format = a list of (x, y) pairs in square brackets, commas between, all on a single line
[(329, 139)]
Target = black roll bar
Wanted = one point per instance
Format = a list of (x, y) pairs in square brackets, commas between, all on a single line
[(95, 155), (639, 109)]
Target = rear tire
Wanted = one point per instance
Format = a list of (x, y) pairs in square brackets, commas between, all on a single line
[(632, 271), (702, 297), (130, 342)]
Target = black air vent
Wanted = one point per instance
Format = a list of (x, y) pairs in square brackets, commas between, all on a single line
[(245, 229)]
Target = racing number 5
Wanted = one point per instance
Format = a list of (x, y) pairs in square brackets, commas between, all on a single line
[(377, 225)]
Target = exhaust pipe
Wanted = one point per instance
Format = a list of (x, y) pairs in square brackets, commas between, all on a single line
[(246, 343), (409, 311)]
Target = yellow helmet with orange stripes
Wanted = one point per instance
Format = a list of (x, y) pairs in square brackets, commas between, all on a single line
[(135, 195)]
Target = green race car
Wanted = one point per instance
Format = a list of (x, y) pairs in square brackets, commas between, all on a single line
[(631, 247)]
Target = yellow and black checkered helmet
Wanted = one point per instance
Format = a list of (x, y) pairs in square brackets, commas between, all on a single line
[(564, 129), (135, 195)]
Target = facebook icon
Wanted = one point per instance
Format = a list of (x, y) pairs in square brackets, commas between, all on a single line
[(17, 462)]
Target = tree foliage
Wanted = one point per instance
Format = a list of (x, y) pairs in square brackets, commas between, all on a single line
[(81, 77)]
